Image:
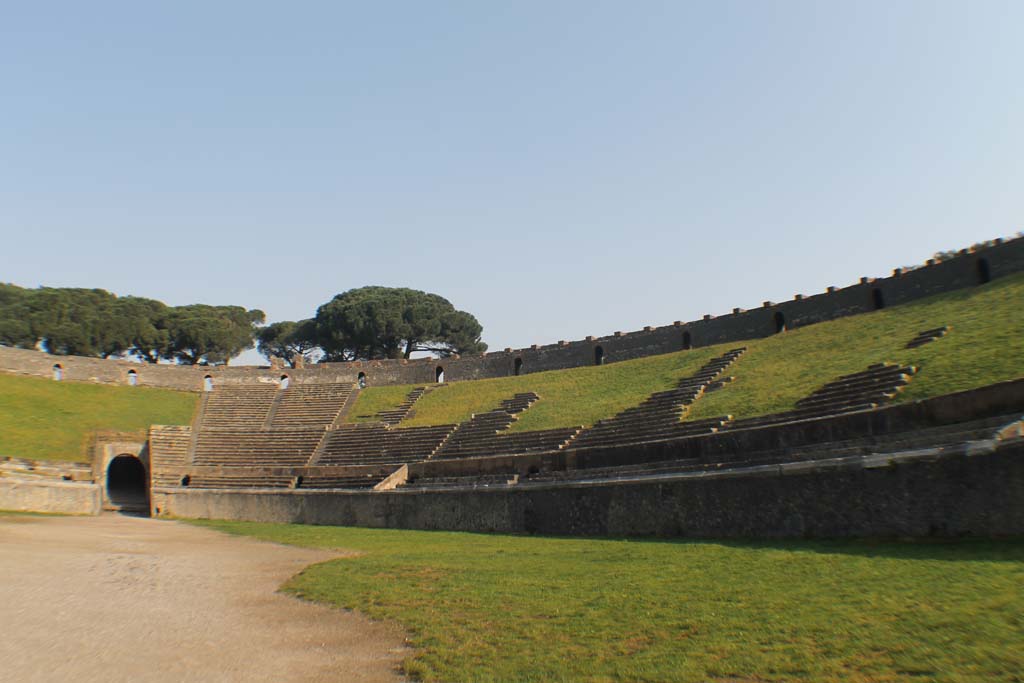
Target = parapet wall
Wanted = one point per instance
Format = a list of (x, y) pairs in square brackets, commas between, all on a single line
[(68, 498), (967, 269)]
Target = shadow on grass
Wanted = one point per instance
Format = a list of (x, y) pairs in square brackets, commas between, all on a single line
[(949, 550)]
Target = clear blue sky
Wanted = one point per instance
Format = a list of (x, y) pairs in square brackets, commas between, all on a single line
[(558, 169)]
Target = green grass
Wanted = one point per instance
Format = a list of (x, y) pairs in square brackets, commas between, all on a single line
[(372, 400), (485, 608), (986, 345), (46, 420), (580, 396)]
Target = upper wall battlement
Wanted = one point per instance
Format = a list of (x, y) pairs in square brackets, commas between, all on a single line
[(968, 268)]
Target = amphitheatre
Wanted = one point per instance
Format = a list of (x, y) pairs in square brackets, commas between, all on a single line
[(888, 410)]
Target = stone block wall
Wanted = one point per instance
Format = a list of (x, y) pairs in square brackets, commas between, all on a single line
[(943, 494)]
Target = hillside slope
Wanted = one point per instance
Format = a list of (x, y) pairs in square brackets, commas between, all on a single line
[(984, 345), (47, 420)]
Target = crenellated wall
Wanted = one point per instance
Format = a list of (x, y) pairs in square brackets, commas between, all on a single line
[(967, 269)]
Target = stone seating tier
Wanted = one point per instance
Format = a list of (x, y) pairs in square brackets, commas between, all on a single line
[(928, 336), (310, 405), (169, 447), (947, 435), (659, 415), (515, 443), (863, 390), (288, 447), (239, 405), (227, 481), (32, 469), (476, 481), (639, 432), (362, 481), (375, 443), (395, 415)]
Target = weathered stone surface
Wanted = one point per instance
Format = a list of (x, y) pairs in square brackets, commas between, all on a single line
[(71, 498), (948, 496)]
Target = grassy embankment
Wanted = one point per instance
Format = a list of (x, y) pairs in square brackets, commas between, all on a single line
[(510, 608), (46, 420), (986, 345)]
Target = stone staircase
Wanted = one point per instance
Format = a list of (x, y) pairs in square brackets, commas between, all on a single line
[(393, 416), (486, 434), (864, 390), (169, 448), (659, 415)]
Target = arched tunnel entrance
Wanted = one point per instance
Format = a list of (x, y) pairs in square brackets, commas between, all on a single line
[(127, 487)]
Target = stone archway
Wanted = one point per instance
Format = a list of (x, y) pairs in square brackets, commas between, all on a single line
[(127, 485)]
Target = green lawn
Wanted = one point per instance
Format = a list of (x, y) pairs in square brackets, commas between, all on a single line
[(514, 608), (580, 396), (986, 345), (46, 420), (372, 400)]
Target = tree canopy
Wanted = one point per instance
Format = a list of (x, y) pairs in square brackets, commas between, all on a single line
[(288, 340), (360, 324), (94, 322), (394, 322)]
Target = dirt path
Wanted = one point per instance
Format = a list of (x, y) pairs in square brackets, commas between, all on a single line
[(119, 598)]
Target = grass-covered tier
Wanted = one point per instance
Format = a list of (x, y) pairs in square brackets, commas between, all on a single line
[(985, 344)]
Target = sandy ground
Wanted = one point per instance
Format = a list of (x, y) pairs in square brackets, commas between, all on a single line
[(117, 598)]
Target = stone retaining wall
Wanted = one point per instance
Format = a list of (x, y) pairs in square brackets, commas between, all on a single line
[(72, 498), (976, 491)]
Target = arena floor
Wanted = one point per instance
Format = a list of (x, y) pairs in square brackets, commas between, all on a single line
[(117, 598)]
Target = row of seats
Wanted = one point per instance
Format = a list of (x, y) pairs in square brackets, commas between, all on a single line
[(237, 481), (61, 471), (251, 406), (310, 405), (658, 417), (946, 435), (247, 479), (240, 447), (928, 336), (168, 453), (375, 442), (863, 390), (239, 405), (353, 481), (475, 481), (487, 433), (393, 416)]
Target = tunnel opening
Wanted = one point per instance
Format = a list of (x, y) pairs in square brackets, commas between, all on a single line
[(127, 485)]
